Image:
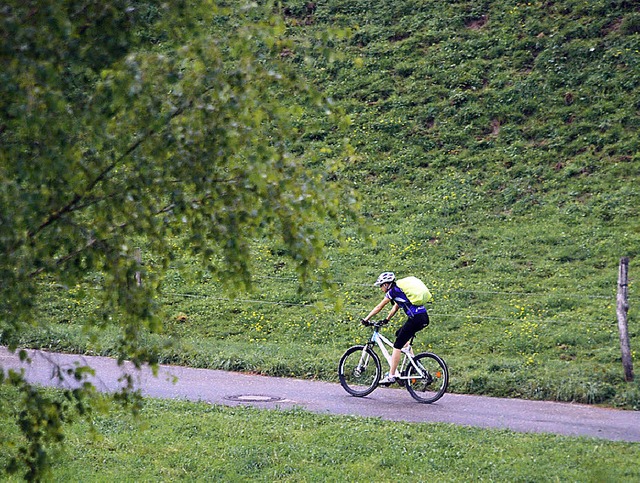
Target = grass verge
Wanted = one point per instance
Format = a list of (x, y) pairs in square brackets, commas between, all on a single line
[(172, 440)]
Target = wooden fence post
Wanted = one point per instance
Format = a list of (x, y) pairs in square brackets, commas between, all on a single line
[(138, 257), (622, 309)]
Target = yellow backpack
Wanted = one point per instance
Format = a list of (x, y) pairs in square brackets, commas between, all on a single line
[(416, 290)]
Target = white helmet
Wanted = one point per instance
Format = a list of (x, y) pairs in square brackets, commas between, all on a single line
[(385, 277)]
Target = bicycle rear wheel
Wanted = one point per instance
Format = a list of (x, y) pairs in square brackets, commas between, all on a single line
[(429, 382), (359, 370)]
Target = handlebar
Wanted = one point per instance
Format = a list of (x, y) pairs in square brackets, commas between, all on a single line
[(378, 323)]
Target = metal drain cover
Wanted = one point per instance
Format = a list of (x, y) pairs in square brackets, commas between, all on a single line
[(254, 398)]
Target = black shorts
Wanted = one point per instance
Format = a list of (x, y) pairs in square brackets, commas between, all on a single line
[(409, 329)]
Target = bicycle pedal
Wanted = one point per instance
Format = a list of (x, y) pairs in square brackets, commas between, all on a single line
[(387, 384)]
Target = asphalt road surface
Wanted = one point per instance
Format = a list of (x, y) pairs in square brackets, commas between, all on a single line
[(230, 388)]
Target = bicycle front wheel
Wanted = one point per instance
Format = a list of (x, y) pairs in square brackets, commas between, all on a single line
[(359, 370), (427, 381)]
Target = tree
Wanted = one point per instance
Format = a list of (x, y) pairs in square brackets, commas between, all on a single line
[(123, 119)]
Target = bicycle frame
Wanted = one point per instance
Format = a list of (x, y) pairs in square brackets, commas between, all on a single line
[(360, 369), (381, 341)]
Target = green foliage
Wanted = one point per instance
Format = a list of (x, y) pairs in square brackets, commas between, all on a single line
[(41, 416), (123, 124), (106, 140)]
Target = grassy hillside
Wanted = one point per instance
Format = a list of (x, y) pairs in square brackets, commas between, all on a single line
[(494, 147)]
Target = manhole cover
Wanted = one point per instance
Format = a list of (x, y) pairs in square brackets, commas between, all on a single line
[(254, 398)]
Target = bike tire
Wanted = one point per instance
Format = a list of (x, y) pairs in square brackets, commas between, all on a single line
[(430, 386), (359, 370)]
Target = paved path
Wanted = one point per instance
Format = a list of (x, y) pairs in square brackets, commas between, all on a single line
[(229, 388)]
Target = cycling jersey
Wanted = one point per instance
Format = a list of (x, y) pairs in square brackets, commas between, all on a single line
[(398, 296)]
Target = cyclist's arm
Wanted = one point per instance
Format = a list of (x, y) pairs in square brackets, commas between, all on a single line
[(378, 308), (393, 311)]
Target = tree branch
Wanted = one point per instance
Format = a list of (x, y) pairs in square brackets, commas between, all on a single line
[(93, 241), (73, 205)]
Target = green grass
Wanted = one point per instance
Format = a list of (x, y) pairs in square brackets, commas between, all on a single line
[(178, 440), (494, 148), (535, 339)]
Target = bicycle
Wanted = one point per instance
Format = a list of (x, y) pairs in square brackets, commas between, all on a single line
[(425, 375)]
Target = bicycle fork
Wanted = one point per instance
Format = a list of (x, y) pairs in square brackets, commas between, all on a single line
[(362, 363)]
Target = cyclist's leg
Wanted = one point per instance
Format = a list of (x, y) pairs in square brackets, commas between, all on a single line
[(403, 338), (409, 346), (396, 356), (407, 332), (395, 362)]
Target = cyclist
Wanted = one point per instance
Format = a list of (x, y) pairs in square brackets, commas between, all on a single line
[(417, 320)]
